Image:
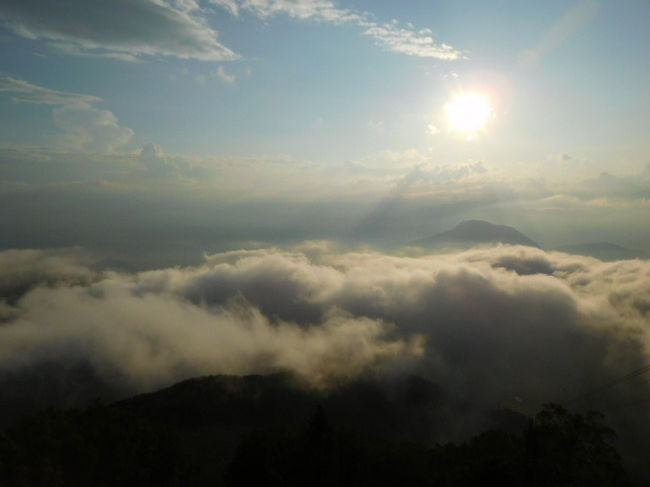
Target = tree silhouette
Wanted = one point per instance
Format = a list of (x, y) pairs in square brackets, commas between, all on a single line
[(253, 464), (119, 445), (572, 449), (317, 454)]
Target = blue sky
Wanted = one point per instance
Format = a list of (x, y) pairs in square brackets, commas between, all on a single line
[(334, 100), (323, 89)]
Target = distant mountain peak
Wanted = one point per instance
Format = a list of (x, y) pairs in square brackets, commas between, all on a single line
[(472, 232)]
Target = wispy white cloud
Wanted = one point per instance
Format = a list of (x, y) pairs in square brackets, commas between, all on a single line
[(84, 127), (120, 28), (230, 5), (224, 76), (76, 50), (323, 10), (90, 129), (31, 93), (130, 29), (405, 39)]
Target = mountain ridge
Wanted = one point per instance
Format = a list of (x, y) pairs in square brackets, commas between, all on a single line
[(474, 232), (235, 431)]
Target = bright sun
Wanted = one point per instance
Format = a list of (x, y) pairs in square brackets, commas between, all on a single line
[(468, 112)]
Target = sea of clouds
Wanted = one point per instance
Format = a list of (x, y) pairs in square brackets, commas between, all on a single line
[(495, 327)]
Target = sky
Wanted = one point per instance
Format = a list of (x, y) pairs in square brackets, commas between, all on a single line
[(192, 187), (318, 80), (276, 119)]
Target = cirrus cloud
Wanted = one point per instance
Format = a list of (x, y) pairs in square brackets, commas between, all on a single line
[(392, 36)]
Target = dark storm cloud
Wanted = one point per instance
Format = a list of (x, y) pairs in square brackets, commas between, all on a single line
[(120, 28)]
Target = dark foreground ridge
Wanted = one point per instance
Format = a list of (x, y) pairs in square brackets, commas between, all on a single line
[(269, 431), (473, 232)]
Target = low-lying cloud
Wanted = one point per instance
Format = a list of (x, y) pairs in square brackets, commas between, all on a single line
[(141, 342), (492, 326)]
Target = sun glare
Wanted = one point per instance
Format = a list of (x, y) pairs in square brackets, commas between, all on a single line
[(468, 112)]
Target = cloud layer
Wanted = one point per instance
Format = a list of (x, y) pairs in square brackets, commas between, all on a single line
[(497, 326)]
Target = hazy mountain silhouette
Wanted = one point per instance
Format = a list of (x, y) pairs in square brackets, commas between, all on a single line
[(400, 407), (268, 430), (472, 232), (604, 251)]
